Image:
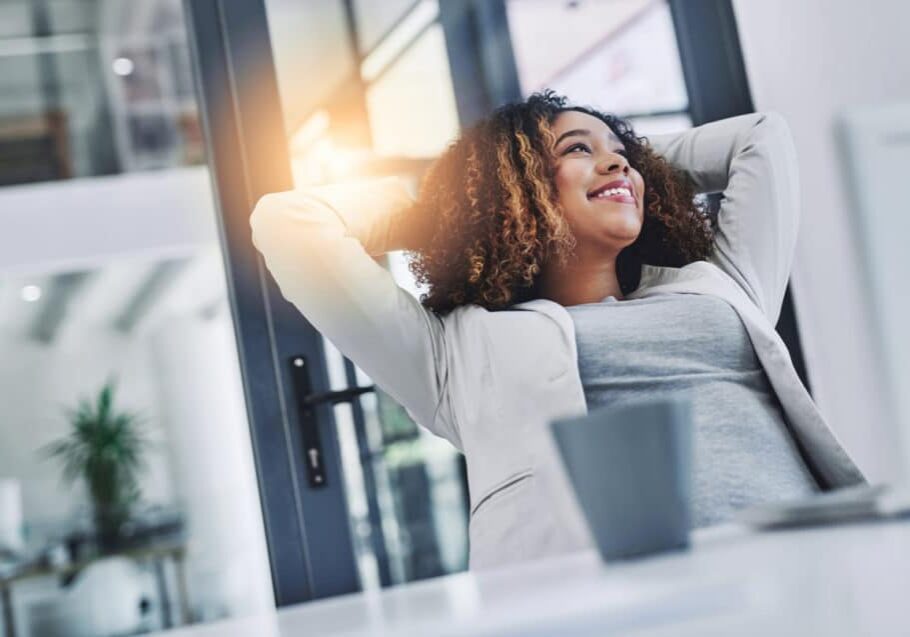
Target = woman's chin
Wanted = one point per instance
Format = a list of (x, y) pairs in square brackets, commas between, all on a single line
[(624, 234)]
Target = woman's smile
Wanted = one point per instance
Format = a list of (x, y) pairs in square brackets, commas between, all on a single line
[(618, 190)]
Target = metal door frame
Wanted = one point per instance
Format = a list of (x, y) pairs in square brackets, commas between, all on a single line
[(307, 528)]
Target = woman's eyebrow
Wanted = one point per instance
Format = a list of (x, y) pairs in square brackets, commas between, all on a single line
[(586, 133), (571, 133)]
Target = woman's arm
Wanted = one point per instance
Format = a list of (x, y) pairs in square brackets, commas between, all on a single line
[(317, 244), (752, 160)]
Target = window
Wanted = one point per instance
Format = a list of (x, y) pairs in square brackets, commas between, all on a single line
[(618, 56)]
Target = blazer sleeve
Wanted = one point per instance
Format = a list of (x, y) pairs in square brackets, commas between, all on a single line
[(752, 160), (317, 243)]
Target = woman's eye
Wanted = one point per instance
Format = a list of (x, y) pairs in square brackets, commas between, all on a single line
[(575, 147)]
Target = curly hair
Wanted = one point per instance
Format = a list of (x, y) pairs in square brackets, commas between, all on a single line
[(495, 222)]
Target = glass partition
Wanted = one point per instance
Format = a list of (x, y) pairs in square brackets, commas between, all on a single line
[(94, 87), (128, 494)]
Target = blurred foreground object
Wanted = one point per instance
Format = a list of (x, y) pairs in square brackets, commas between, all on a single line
[(11, 539), (631, 469), (876, 145), (106, 599)]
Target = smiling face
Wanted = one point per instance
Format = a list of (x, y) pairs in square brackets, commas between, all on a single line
[(600, 194)]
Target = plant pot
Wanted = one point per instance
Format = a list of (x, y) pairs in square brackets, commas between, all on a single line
[(109, 523)]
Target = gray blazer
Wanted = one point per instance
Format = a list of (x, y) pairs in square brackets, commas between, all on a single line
[(490, 382)]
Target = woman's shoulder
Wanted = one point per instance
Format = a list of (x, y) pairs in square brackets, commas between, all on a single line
[(526, 343), (527, 311), (536, 323)]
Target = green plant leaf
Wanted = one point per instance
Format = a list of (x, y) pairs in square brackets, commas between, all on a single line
[(105, 448)]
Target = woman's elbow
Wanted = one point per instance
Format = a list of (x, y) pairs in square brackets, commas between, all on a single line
[(774, 126), (277, 219), (264, 215)]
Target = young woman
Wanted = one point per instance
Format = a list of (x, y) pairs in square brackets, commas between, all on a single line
[(569, 268)]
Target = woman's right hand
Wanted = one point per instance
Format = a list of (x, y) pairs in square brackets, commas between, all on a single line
[(414, 228)]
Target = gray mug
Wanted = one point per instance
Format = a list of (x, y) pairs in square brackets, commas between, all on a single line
[(631, 468)]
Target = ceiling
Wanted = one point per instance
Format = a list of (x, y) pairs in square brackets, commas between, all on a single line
[(129, 296)]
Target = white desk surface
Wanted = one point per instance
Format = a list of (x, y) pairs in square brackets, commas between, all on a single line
[(845, 580)]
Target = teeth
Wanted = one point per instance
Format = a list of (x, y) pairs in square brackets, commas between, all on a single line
[(613, 191)]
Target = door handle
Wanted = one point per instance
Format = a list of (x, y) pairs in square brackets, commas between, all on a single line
[(306, 401), (341, 396)]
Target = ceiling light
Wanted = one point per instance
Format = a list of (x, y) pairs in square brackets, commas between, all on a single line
[(31, 293), (123, 66)]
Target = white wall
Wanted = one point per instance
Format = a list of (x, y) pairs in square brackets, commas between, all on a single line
[(201, 396), (82, 224), (810, 60)]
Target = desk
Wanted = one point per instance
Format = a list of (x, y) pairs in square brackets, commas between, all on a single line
[(155, 553), (845, 580)]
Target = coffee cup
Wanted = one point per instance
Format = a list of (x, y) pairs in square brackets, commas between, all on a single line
[(631, 469)]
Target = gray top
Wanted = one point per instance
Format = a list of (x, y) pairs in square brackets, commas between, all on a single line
[(633, 350)]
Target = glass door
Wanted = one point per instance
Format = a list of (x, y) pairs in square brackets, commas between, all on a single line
[(366, 91)]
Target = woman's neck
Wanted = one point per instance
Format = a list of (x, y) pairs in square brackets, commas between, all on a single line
[(580, 282)]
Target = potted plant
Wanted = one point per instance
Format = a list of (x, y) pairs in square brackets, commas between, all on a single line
[(104, 448)]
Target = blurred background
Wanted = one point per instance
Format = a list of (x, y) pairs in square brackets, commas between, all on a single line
[(135, 492)]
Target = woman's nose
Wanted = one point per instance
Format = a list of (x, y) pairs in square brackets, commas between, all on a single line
[(613, 164)]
